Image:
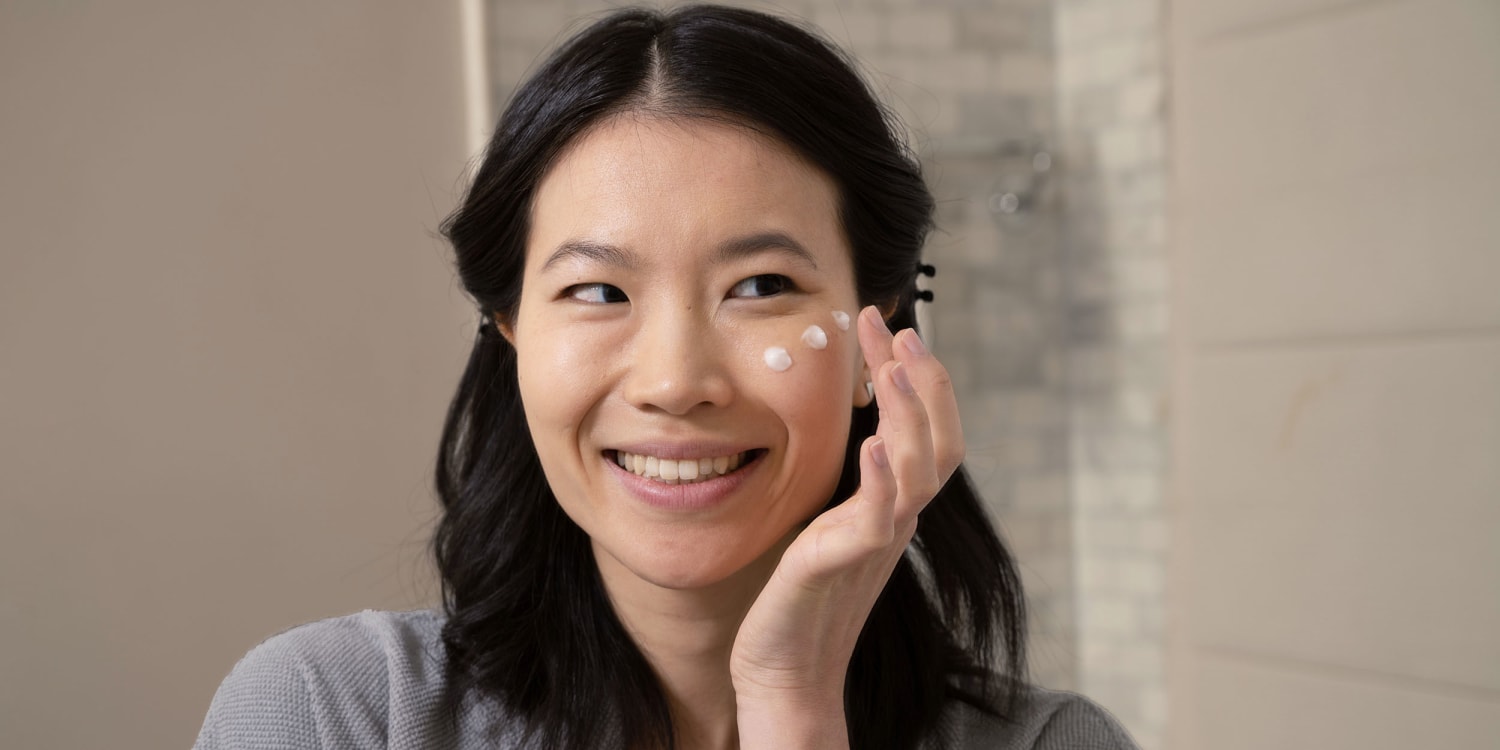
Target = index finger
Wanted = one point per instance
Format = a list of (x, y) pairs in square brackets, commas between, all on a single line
[(874, 339)]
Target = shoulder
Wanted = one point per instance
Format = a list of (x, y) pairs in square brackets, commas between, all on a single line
[(344, 682), (1043, 720)]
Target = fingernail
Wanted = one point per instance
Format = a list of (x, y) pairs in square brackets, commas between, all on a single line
[(877, 453), (873, 313), (914, 343), (898, 374)]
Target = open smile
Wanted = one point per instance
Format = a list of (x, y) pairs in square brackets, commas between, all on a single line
[(674, 471)]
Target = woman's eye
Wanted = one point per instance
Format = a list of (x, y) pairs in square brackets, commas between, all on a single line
[(598, 294), (764, 285)]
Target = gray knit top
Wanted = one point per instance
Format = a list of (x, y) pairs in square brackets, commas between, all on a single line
[(375, 679)]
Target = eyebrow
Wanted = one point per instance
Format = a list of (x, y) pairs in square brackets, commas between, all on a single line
[(734, 249), (742, 247), (598, 252)]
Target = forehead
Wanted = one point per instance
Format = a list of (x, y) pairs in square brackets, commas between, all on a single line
[(675, 185)]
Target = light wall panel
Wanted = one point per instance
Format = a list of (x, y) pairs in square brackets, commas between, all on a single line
[(1251, 705)]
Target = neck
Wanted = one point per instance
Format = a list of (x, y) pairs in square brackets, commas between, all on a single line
[(687, 636)]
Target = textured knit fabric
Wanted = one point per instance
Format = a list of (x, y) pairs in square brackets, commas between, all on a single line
[(375, 679)]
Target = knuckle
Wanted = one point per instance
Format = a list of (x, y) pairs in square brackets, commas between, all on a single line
[(925, 488), (940, 377), (877, 539)]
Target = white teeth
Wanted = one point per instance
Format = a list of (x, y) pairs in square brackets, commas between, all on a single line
[(669, 471)]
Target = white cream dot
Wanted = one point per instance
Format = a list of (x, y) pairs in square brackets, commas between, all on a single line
[(815, 337), (841, 319), (777, 359)]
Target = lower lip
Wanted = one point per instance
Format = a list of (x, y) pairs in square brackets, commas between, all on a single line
[(683, 497)]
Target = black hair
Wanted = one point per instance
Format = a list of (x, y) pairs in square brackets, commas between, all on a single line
[(528, 622)]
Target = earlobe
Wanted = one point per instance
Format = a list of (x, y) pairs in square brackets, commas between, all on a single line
[(887, 310), (864, 390), (506, 329)]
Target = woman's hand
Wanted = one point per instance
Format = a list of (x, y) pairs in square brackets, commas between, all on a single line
[(795, 643)]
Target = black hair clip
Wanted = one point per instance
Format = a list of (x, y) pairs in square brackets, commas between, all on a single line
[(924, 294), (927, 270)]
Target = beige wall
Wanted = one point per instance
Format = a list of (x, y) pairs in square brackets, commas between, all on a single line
[(1336, 490), (227, 336)]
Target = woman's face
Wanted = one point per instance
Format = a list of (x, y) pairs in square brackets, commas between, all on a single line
[(664, 259)]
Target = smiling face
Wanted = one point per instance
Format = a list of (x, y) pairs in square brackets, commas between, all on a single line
[(664, 259)]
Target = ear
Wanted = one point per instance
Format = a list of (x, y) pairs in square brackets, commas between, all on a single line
[(863, 395), (507, 328)]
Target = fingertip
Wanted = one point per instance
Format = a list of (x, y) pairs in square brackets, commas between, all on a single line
[(912, 342), (902, 380), (878, 474), (894, 373)]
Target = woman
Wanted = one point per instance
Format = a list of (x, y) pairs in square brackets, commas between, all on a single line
[(683, 470)]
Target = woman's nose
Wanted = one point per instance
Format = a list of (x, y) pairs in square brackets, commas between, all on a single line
[(676, 364)]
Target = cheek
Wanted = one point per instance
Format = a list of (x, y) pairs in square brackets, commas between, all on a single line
[(800, 347), (559, 376), (804, 368), (559, 379)]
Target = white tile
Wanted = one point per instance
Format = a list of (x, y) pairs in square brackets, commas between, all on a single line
[(1142, 99), (1408, 251), (1116, 492), (1210, 18), (1025, 74), (1408, 592), (921, 29), (862, 30), (1242, 705), (1406, 85), (1392, 425), (1342, 505)]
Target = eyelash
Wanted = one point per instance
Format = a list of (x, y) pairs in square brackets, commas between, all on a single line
[(575, 291), (572, 292), (786, 283)]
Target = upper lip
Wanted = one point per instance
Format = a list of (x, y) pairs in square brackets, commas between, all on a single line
[(680, 450)]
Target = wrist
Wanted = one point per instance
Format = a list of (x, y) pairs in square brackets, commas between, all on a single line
[(791, 717)]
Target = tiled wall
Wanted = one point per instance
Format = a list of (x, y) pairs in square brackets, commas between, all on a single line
[(1050, 317), (1111, 110), (1334, 251)]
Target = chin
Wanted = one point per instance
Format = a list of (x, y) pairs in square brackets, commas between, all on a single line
[(706, 564), (679, 574)]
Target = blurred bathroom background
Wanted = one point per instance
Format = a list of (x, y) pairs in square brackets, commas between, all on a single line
[(1218, 282)]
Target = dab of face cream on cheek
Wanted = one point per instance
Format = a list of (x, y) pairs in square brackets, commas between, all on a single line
[(815, 337), (779, 359)]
